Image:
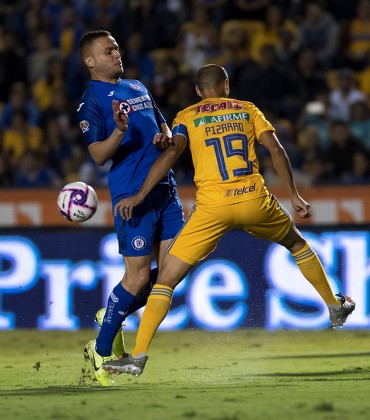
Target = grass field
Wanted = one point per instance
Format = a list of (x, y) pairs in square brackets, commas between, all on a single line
[(246, 374)]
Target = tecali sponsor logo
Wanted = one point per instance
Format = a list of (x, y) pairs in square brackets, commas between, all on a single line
[(218, 107)]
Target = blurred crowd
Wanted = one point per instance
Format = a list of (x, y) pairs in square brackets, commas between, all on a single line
[(305, 64)]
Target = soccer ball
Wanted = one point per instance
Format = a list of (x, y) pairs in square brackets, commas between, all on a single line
[(77, 201)]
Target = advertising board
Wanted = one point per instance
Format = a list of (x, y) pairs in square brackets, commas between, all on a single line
[(57, 278)]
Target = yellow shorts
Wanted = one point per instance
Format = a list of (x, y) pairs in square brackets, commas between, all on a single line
[(262, 217)]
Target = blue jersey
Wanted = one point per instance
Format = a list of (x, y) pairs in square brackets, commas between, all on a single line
[(136, 153)]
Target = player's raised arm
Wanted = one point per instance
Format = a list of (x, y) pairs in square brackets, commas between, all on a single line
[(102, 151), (159, 169), (283, 168)]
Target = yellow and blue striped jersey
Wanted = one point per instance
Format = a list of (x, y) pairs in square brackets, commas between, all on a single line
[(222, 134)]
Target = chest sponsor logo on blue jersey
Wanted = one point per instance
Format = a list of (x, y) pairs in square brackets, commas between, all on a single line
[(136, 104), (125, 107)]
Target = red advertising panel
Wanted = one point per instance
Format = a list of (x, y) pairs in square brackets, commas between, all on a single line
[(330, 205)]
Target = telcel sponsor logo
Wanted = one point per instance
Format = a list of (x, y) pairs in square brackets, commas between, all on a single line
[(240, 191)]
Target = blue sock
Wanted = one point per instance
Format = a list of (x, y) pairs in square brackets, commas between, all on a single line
[(142, 298), (119, 302)]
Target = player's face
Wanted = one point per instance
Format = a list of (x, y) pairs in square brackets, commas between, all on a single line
[(106, 59)]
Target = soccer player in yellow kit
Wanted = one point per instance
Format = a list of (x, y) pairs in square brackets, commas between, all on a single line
[(231, 194)]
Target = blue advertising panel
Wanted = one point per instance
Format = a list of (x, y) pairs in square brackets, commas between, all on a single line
[(57, 278)]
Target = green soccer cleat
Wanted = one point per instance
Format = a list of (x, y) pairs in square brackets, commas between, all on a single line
[(118, 346), (101, 375), (127, 364)]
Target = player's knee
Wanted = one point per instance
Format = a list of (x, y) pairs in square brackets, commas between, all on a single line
[(166, 281), (293, 241), (133, 283), (170, 278), (296, 246)]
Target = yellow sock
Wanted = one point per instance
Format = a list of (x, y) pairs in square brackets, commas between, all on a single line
[(312, 269), (159, 302)]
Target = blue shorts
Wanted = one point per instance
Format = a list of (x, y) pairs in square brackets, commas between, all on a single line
[(158, 218)]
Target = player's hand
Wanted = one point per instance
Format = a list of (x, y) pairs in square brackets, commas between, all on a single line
[(120, 116), (301, 206), (162, 140), (126, 206)]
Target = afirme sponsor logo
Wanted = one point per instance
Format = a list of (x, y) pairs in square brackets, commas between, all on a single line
[(235, 116), (217, 107), (239, 191)]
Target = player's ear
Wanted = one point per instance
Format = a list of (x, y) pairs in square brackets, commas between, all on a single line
[(198, 90), (89, 62), (227, 87)]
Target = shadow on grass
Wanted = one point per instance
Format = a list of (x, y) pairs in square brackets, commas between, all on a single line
[(314, 356), (64, 390), (322, 374)]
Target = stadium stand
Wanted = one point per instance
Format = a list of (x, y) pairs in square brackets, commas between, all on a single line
[(287, 57)]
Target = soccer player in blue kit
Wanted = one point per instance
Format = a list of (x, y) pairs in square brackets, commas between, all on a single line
[(121, 122)]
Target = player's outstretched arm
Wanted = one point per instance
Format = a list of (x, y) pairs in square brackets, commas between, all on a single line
[(283, 168), (102, 151), (159, 169)]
